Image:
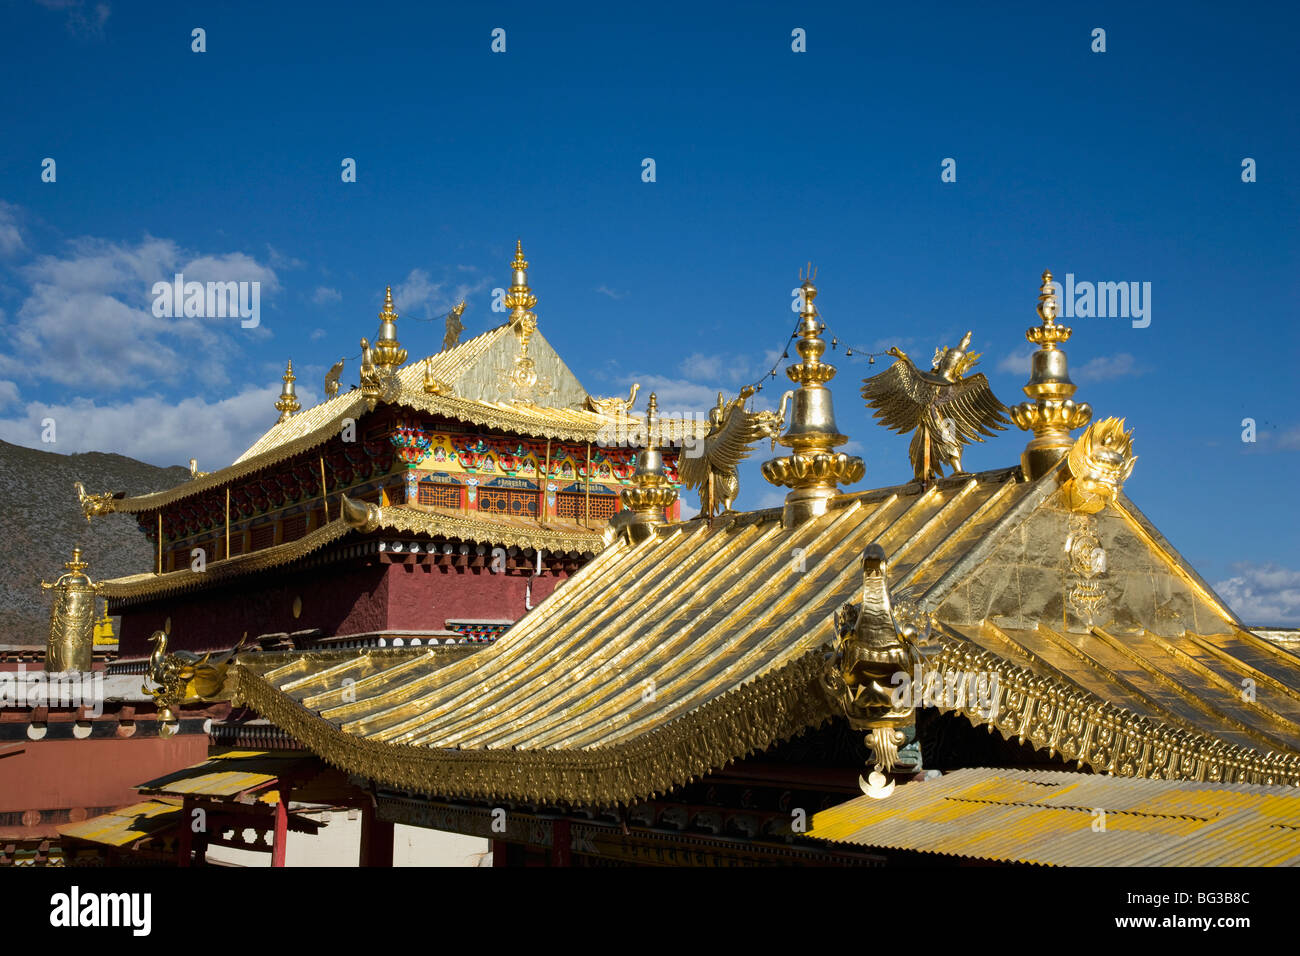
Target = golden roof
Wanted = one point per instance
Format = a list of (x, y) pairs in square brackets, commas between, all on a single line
[(1052, 818), (320, 423), (661, 661)]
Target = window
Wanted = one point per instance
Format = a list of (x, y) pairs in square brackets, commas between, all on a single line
[(294, 528), (439, 495), (573, 505), (504, 501)]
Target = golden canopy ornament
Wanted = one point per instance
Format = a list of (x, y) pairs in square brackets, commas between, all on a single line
[(70, 646), (710, 467), (287, 403), (1099, 463), (946, 409), (814, 470), (1051, 413)]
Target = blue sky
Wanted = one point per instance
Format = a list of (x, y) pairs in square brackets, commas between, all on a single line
[(1115, 166)]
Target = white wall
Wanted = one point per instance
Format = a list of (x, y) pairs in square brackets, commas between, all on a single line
[(338, 843)]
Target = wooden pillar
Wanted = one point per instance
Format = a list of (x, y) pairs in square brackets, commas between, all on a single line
[(160, 541), (586, 492), (324, 498), (376, 839), (281, 836), (546, 477), (185, 839), (561, 843)]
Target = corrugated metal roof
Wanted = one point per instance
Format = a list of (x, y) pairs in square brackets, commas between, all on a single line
[(231, 774), (1057, 818), (127, 825)]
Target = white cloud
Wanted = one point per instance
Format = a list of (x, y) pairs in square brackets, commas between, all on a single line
[(279, 260), (324, 294), (420, 294), (11, 240), (81, 18), (318, 334), (605, 290), (676, 396), (8, 394), (1263, 594), (150, 428), (87, 321), (1017, 363), (1107, 367)]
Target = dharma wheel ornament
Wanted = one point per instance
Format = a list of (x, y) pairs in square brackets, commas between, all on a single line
[(814, 469), (72, 619), (1051, 414)]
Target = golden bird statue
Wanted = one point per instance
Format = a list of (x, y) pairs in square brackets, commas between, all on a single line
[(710, 466), (183, 676), (454, 327), (332, 378), (944, 407)]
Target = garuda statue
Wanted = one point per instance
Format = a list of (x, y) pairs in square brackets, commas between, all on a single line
[(710, 467), (946, 409)]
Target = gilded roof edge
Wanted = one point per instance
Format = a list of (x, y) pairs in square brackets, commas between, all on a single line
[(397, 518), (1054, 714), (774, 707), (149, 584)]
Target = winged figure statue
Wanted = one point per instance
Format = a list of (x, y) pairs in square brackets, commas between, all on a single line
[(946, 408), (710, 467), (332, 378), (454, 326)]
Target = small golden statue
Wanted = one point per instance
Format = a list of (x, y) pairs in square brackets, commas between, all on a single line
[(872, 646), (710, 468), (95, 505), (454, 327), (946, 409), (1099, 462), (614, 406), (332, 378), (183, 677)]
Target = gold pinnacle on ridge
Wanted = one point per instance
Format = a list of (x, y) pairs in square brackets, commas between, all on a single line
[(814, 469), (287, 403), (1051, 412), (520, 299), (388, 352), (650, 493)]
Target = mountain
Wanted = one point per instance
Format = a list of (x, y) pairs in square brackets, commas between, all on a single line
[(43, 521)]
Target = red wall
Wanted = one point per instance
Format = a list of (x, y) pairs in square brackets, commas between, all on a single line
[(339, 600)]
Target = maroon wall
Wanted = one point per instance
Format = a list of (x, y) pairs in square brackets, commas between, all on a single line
[(338, 599)]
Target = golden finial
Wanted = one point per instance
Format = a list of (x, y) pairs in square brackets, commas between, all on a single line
[(520, 299), (1051, 413), (76, 565), (287, 404), (814, 469), (650, 492), (388, 352)]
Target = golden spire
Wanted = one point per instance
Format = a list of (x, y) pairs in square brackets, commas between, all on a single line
[(1051, 413), (520, 299), (388, 352), (287, 404), (814, 469), (650, 492)]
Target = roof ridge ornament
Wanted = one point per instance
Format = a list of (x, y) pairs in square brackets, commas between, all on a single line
[(388, 352), (650, 491), (287, 403), (814, 469), (1051, 413)]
